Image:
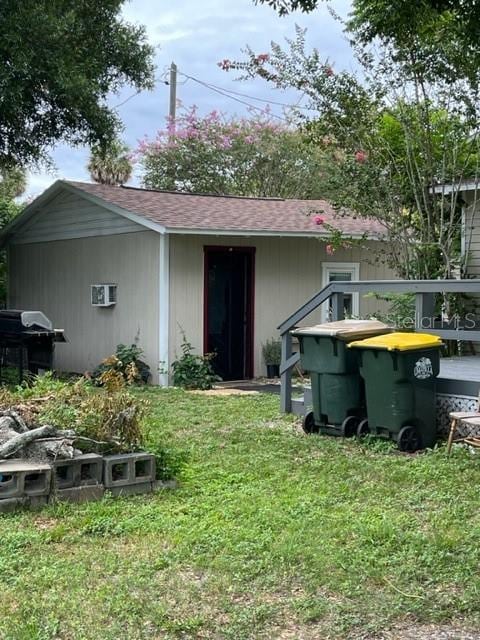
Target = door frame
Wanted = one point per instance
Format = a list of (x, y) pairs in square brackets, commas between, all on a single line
[(249, 347)]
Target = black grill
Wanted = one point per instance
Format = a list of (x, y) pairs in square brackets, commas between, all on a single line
[(27, 341)]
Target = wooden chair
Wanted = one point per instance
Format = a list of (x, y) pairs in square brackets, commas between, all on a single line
[(470, 422)]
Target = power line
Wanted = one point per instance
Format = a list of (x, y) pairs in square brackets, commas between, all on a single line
[(246, 95), (222, 92), (226, 93)]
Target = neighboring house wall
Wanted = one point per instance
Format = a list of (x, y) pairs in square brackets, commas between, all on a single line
[(55, 277), (288, 271), (471, 234)]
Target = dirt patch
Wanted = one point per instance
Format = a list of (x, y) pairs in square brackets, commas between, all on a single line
[(300, 631), (430, 632)]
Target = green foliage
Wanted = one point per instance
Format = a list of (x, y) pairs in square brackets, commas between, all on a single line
[(438, 37), (41, 386), (59, 63), (390, 135), (250, 157), (272, 351), (401, 311), (192, 371), (170, 462), (12, 185), (114, 419), (127, 363), (110, 165)]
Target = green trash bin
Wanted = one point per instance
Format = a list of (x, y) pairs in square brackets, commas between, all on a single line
[(337, 389), (400, 371)]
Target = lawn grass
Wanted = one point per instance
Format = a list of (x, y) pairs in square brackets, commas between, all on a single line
[(271, 534)]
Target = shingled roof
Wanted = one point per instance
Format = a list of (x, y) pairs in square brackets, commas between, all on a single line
[(178, 212)]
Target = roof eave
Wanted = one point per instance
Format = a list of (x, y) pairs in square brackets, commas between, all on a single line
[(450, 187), (265, 233)]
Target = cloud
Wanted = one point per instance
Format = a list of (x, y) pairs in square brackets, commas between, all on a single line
[(196, 35)]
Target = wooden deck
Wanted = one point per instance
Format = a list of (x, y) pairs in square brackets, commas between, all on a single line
[(461, 368), (460, 375)]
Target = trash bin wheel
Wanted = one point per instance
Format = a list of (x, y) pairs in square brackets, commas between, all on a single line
[(308, 423), (408, 439), (363, 428), (349, 426)]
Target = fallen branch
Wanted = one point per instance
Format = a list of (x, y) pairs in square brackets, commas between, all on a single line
[(24, 439), (17, 418)]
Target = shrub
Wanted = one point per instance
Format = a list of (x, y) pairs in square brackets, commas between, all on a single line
[(192, 371), (272, 351), (125, 366)]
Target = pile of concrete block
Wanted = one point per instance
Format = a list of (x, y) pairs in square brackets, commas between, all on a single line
[(79, 479)]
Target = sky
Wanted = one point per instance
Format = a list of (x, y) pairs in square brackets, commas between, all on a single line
[(196, 34)]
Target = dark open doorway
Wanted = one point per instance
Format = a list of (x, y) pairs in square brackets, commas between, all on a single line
[(228, 320)]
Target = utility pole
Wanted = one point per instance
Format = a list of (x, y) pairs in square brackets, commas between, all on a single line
[(173, 93)]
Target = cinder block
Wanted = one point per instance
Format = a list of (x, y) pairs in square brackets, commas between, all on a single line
[(8, 505), (20, 478), (80, 471), (132, 489), (128, 469), (36, 502), (78, 495)]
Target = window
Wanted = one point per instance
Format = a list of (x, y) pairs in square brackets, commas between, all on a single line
[(341, 272)]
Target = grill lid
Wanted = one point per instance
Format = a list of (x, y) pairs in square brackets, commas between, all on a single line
[(16, 321)]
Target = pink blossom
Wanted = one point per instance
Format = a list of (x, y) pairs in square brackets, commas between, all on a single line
[(361, 156), (225, 65), (330, 249), (319, 220), (225, 142), (263, 57), (329, 71)]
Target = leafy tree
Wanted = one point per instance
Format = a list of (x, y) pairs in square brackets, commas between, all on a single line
[(392, 135), (59, 60), (442, 36), (211, 154), (12, 185), (110, 165)]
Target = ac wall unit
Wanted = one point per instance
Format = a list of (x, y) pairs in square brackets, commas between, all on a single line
[(103, 295)]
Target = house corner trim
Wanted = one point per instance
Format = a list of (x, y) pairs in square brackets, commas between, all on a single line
[(164, 309)]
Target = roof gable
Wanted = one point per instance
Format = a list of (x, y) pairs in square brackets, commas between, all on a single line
[(77, 209), (193, 213), (68, 215)]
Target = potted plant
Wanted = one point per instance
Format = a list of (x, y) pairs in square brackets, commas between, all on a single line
[(272, 354)]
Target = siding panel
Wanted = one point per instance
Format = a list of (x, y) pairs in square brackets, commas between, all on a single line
[(70, 216), (55, 277), (288, 271)]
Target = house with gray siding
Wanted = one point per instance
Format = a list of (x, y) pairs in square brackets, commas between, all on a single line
[(222, 270)]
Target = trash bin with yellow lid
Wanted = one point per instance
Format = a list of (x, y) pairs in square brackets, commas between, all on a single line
[(337, 390), (400, 371)]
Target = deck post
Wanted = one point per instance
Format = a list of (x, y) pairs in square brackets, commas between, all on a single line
[(424, 311), (286, 376), (338, 306)]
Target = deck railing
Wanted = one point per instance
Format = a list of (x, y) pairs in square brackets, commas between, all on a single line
[(424, 291)]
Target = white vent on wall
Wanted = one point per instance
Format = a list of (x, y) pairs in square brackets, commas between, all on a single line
[(103, 295)]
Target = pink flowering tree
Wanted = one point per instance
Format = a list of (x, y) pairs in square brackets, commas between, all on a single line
[(392, 134), (255, 156)]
